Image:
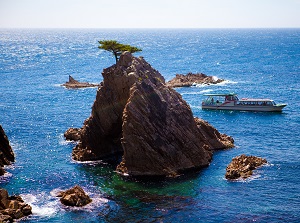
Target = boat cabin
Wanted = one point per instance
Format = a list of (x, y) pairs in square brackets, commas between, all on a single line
[(218, 99)]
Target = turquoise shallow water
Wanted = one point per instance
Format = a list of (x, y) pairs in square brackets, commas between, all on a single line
[(35, 111)]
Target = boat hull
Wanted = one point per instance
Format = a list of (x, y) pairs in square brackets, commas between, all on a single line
[(276, 108)]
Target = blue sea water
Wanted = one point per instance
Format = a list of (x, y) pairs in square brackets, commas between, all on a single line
[(35, 111)]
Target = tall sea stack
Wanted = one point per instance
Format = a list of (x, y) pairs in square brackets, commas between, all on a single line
[(137, 115)]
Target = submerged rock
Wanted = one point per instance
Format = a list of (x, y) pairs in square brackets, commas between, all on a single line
[(6, 153), (74, 197), (190, 79), (12, 207), (242, 166), (137, 115), (72, 83)]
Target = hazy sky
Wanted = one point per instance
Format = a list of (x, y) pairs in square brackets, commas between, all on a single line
[(149, 13)]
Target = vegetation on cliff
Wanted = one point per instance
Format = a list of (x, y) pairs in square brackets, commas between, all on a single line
[(117, 48)]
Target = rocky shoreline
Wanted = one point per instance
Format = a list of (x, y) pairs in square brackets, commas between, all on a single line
[(190, 79), (12, 207)]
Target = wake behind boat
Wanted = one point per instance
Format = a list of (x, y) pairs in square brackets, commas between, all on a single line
[(230, 101)]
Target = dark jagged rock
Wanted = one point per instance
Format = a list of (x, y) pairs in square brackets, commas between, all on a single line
[(137, 115), (242, 166), (190, 79), (73, 134), (213, 137), (6, 153), (12, 207), (74, 197), (72, 83)]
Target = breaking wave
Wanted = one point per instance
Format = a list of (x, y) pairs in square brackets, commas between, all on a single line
[(48, 205), (43, 205), (62, 141), (223, 83)]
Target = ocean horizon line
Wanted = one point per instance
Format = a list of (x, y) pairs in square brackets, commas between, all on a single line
[(148, 28)]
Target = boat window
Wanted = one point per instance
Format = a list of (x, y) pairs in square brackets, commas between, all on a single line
[(230, 98)]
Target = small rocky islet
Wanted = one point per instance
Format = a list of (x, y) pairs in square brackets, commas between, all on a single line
[(191, 79), (242, 166), (73, 84), (75, 197)]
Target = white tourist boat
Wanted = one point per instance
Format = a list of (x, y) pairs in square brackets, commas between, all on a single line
[(232, 102)]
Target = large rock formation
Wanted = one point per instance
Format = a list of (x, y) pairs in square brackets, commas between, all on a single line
[(190, 79), (242, 166), (12, 207), (6, 153), (137, 115)]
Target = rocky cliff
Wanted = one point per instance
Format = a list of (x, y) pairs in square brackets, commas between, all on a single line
[(6, 154), (135, 114)]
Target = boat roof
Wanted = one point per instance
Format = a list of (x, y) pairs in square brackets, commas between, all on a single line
[(221, 94)]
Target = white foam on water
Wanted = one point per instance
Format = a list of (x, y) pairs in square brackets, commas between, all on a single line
[(42, 204), (90, 163), (58, 85), (62, 141), (5, 176), (215, 78), (191, 93), (223, 83), (206, 91)]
